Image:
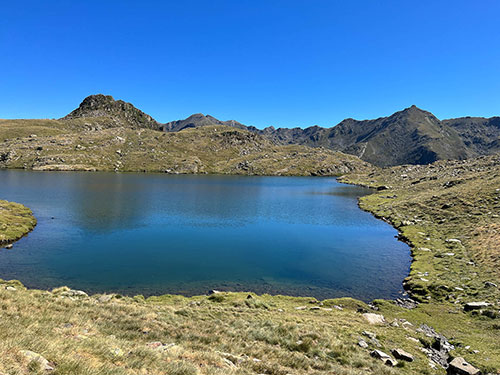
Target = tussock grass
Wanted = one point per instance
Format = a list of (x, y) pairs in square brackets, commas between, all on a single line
[(15, 221)]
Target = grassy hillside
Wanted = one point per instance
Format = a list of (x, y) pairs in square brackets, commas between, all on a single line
[(95, 144), (16, 220)]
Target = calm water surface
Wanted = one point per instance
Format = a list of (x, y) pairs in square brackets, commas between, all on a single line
[(155, 234)]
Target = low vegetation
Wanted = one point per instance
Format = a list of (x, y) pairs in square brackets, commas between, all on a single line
[(15, 221), (447, 211), (96, 144)]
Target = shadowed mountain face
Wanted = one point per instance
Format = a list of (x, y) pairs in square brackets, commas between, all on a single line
[(411, 136), (116, 112), (480, 135)]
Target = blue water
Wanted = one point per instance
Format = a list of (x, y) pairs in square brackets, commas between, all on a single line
[(156, 234)]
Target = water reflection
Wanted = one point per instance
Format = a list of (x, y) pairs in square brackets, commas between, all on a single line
[(153, 233)]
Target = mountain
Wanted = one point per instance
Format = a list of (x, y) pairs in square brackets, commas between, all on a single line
[(480, 135), (411, 136), (197, 120), (113, 112)]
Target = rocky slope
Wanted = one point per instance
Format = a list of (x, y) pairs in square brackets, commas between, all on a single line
[(480, 135), (410, 136), (89, 144), (113, 113)]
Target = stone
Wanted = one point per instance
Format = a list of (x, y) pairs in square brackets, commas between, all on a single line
[(9, 246), (363, 344), (117, 352), (74, 293), (213, 291), (369, 334), (32, 356), (475, 305), (11, 288), (401, 354), (105, 298), (489, 284), (384, 357), (460, 367), (383, 187), (372, 318)]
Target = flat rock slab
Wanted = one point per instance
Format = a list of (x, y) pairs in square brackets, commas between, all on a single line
[(374, 318), (402, 355), (386, 358), (460, 367), (475, 306)]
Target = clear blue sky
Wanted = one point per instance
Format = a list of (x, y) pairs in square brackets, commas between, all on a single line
[(282, 63)]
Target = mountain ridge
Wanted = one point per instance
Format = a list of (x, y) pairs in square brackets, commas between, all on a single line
[(409, 136)]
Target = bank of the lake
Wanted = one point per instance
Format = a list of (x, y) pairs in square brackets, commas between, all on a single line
[(16, 221), (237, 334), (153, 234)]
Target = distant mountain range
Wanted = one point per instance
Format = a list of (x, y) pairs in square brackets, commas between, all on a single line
[(410, 136)]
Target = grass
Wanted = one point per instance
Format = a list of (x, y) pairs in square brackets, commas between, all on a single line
[(448, 212), (91, 144), (198, 335), (16, 221)]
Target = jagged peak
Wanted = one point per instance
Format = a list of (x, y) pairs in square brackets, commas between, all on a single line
[(100, 105)]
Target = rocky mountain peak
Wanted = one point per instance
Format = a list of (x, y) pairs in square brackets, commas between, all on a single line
[(122, 113)]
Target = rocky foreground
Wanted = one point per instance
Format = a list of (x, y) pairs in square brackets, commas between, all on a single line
[(447, 212)]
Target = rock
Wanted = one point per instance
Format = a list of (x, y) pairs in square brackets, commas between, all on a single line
[(9, 246), (460, 367), (489, 284), (406, 303), (301, 308), (369, 334), (372, 318), (74, 293), (213, 291), (383, 187), (11, 288), (105, 298), (384, 357), (363, 344), (401, 354), (453, 240), (475, 306), (32, 356), (117, 352)]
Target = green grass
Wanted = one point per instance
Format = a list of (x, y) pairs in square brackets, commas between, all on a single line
[(16, 220), (93, 144)]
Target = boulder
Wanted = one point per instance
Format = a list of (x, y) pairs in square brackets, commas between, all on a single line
[(401, 354), (9, 246), (363, 344), (372, 318), (490, 284), (35, 357), (460, 367), (475, 305), (386, 358)]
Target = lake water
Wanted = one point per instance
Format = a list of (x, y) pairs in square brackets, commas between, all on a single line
[(155, 234)]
